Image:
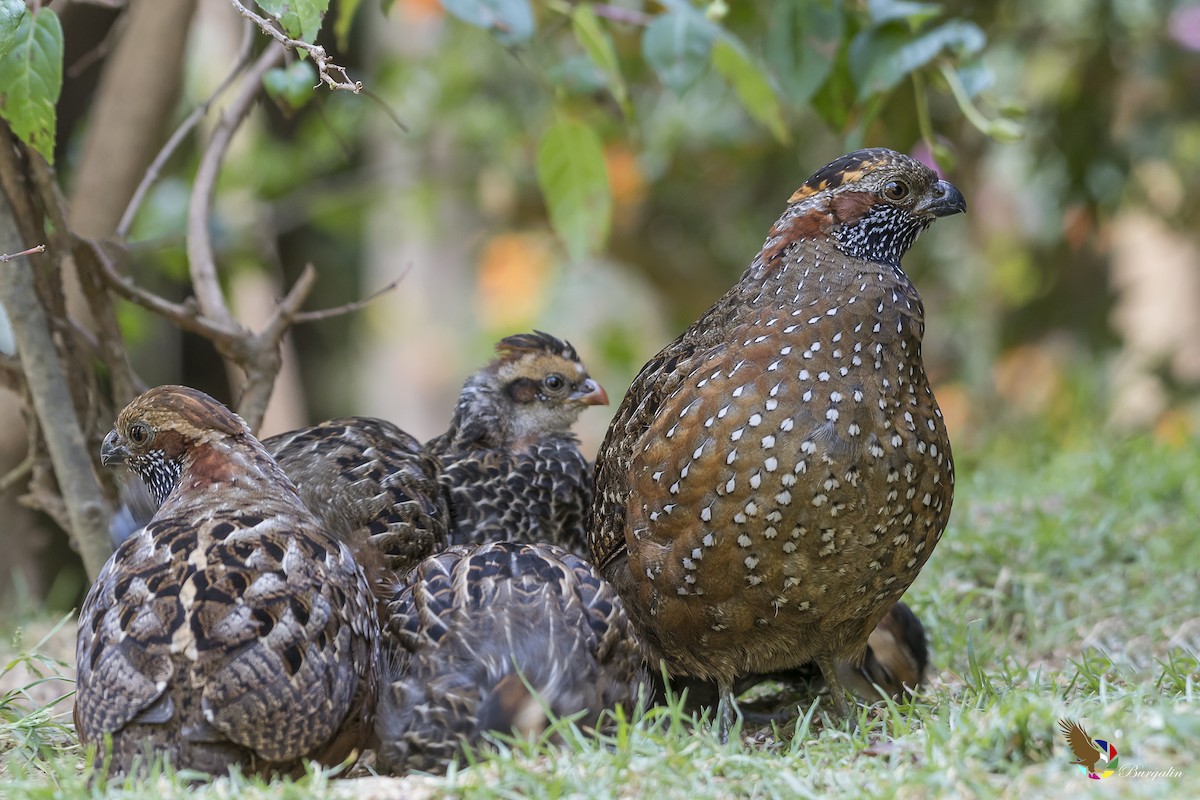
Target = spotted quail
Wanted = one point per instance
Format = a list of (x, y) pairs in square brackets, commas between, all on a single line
[(232, 629), (510, 463), (369, 483), (474, 630), (777, 476)]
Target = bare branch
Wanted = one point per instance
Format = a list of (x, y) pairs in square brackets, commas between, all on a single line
[(4, 257), (17, 473), (186, 315), (86, 509), (201, 263), (348, 308), (109, 343), (266, 360), (290, 305), (185, 127), (316, 52)]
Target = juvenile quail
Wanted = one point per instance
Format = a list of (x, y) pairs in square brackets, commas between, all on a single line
[(473, 630), (510, 463), (777, 476), (232, 629)]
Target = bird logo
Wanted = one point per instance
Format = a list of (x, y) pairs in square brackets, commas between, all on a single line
[(1096, 757)]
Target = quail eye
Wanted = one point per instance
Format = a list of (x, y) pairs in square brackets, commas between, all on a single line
[(895, 190), (139, 433), (554, 382)]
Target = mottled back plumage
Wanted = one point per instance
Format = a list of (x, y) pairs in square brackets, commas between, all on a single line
[(776, 477), (370, 483), (231, 629), (510, 464), (474, 629)]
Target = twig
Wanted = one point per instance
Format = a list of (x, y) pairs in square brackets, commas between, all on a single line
[(356, 305), (18, 472), (4, 257), (186, 314), (100, 51), (111, 343), (388, 110), (86, 509), (266, 361), (201, 263), (185, 127), (316, 52)]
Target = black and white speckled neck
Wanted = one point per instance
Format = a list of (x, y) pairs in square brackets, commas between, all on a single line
[(159, 473), (883, 235)]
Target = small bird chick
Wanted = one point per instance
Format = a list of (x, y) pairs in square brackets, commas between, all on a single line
[(510, 463)]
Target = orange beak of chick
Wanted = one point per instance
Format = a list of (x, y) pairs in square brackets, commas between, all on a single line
[(590, 393)]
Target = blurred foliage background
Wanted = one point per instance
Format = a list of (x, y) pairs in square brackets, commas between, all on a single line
[(1066, 302)]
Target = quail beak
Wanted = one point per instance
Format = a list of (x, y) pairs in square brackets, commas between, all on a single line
[(944, 200), (113, 451), (590, 393)]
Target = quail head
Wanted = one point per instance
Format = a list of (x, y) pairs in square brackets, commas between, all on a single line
[(510, 463), (491, 637), (777, 476), (232, 629)]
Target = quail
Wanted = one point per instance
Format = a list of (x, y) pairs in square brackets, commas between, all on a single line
[(233, 629), (511, 465), (491, 637), (777, 476)]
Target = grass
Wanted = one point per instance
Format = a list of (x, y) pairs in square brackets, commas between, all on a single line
[(1066, 586)]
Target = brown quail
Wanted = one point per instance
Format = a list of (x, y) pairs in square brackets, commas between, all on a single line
[(777, 476), (473, 630), (232, 629), (510, 463), (369, 483)]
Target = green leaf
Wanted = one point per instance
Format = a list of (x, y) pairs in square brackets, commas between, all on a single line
[(884, 11), (882, 57), (677, 45), (510, 21), (31, 79), (291, 88), (574, 181), (802, 45), (300, 18), (345, 20), (751, 85), (599, 47), (11, 12)]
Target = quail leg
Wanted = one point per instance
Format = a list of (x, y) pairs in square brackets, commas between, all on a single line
[(837, 694), (727, 710)]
